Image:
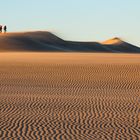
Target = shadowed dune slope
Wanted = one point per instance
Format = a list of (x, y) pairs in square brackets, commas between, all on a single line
[(31, 41), (41, 41)]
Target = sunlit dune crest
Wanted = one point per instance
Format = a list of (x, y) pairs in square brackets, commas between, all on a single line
[(115, 40)]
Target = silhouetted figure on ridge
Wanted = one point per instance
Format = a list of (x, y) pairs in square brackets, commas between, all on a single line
[(0, 29), (5, 29)]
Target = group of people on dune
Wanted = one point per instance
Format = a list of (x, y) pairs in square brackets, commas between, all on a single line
[(3, 28)]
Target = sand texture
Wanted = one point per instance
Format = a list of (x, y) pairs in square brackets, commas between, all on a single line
[(69, 96)]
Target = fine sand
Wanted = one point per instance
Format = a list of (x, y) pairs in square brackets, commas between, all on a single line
[(69, 96)]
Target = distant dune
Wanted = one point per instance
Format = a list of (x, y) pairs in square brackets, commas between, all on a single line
[(42, 41)]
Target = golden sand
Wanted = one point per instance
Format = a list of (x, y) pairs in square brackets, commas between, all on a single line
[(112, 41), (69, 96)]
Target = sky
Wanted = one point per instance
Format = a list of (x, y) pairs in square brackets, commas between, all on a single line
[(80, 20)]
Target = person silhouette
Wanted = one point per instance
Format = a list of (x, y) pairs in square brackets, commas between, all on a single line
[(5, 29), (0, 29)]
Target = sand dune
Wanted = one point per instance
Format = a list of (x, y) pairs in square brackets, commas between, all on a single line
[(113, 41), (69, 96), (46, 41)]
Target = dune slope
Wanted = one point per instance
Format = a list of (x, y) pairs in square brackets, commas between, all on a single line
[(45, 41)]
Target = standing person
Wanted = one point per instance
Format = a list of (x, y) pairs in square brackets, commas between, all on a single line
[(5, 29), (0, 29)]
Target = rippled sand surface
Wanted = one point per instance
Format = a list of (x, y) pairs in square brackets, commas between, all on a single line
[(69, 96)]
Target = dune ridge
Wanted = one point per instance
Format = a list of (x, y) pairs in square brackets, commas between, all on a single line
[(43, 41), (115, 40), (75, 96)]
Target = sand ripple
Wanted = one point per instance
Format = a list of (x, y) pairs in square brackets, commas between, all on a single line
[(69, 101)]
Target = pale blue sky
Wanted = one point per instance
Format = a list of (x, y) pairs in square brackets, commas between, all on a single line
[(85, 20)]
